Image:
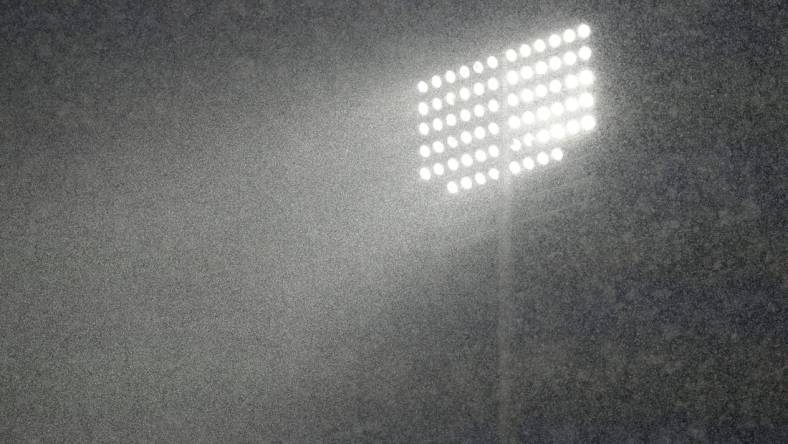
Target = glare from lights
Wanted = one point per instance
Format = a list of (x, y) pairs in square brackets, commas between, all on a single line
[(586, 100), (493, 106), (464, 72), (437, 104), (493, 84), (528, 163), (569, 35), (540, 67), (424, 109), (480, 178), (588, 123), (422, 87), (466, 160), (514, 167), (466, 183), (542, 158), (557, 154), (514, 122), (543, 113), (572, 127), (512, 100), (526, 95), (451, 120), (555, 63), (465, 115), (494, 174), (571, 81), (584, 53), (479, 132), (586, 77), (438, 169), (525, 50), (436, 82), (493, 128), (555, 86), (465, 94), (478, 67), (437, 124), (478, 88), (478, 110), (424, 129), (554, 41), (528, 118), (539, 45), (583, 31), (494, 151), (453, 164), (543, 136), (557, 131), (466, 137), (451, 186), (450, 98), (424, 150), (437, 146), (480, 155), (570, 58), (492, 62), (424, 173), (571, 104), (511, 55), (452, 142), (526, 72), (540, 91), (557, 109), (450, 76), (512, 78)]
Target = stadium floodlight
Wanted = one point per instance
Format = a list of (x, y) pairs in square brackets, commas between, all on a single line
[(533, 100)]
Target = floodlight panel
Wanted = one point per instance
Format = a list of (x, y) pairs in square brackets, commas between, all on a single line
[(530, 99)]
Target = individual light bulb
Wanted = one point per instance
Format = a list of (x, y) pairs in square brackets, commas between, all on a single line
[(451, 186), (424, 151), (492, 62), (478, 88), (511, 55), (572, 127), (436, 82), (450, 98), (512, 99), (557, 109), (571, 104), (465, 115), (525, 50), (478, 67), (528, 139), (526, 95), (494, 174), (586, 100), (450, 76), (583, 31), (492, 84), (453, 164), (584, 53), (512, 78), (528, 118), (452, 142), (478, 110), (555, 86), (588, 123), (437, 146), (513, 122), (539, 45), (466, 160), (554, 41), (437, 104), (424, 129), (540, 68), (422, 87), (543, 136), (526, 72), (493, 106), (543, 113), (466, 183), (571, 81), (586, 77), (424, 109), (437, 124), (464, 72), (480, 178), (557, 154), (569, 35), (465, 94), (424, 173), (466, 137), (514, 167), (555, 63), (540, 91), (516, 145), (542, 158), (451, 120), (479, 132), (570, 58), (528, 163), (493, 151), (438, 169), (493, 128), (480, 155)]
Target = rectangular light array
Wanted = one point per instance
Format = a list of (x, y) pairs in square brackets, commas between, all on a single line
[(527, 100)]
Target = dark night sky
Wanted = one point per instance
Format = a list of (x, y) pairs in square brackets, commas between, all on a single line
[(211, 228)]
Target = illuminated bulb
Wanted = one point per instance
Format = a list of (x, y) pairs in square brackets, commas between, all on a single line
[(539, 46), (554, 40), (526, 95), (493, 84), (514, 167), (528, 139), (437, 104), (543, 136), (466, 137), (478, 88), (583, 31), (466, 183), (569, 35), (422, 87), (542, 158), (555, 63), (557, 154), (528, 163), (480, 156), (572, 127), (453, 164), (452, 187), (479, 133), (515, 145), (492, 62), (452, 142), (480, 178), (511, 55), (571, 81), (570, 58), (424, 150), (586, 77), (424, 109), (584, 53), (571, 104), (493, 106), (478, 67), (450, 98), (540, 67), (437, 146), (424, 129), (528, 118), (436, 82), (425, 173), (543, 113), (466, 160), (526, 72), (512, 78), (540, 90), (586, 100), (512, 100), (438, 169), (555, 86), (525, 50), (557, 109), (494, 174), (464, 72), (465, 115), (450, 76), (478, 110), (514, 122), (493, 128), (494, 151), (588, 123), (437, 124), (451, 120), (465, 94), (557, 131)]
